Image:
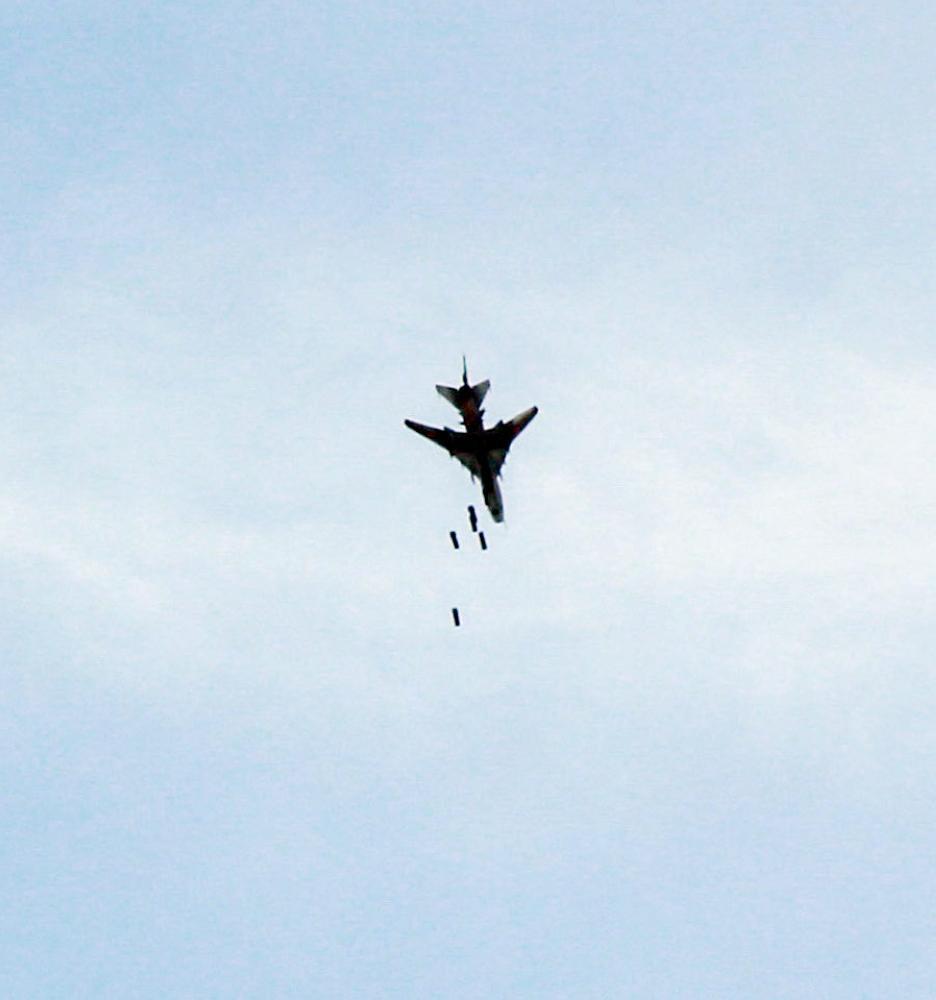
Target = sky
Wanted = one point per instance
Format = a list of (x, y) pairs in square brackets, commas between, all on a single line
[(682, 745)]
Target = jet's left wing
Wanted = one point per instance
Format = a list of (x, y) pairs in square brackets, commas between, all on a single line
[(452, 441)]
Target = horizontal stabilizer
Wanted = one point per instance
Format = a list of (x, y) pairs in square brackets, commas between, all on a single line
[(457, 397)]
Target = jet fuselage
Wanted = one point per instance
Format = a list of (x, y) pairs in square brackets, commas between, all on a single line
[(481, 450)]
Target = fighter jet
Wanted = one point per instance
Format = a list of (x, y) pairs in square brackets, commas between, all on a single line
[(481, 450)]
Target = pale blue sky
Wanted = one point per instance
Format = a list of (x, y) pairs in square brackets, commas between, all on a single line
[(683, 745)]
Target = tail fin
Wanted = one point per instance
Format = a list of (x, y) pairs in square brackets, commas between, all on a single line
[(457, 397)]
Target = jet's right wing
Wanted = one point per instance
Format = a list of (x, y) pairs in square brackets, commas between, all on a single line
[(520, 421), (502, 436), (452, 441)]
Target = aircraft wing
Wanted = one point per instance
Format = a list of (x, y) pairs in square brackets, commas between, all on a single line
[(520, 421), (452, 441), (502, 436)]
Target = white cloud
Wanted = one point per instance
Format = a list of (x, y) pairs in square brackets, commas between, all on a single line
[(813, 466)]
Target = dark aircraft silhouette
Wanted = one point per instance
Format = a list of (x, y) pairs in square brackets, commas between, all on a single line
[(481, 451)]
